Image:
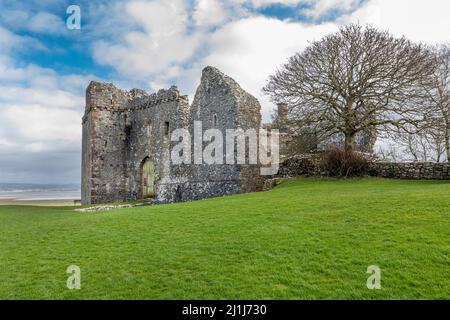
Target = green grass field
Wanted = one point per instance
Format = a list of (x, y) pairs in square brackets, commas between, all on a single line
[(306, 239)]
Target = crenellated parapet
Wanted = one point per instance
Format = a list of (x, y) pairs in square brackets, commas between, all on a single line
[(107, 97), (161, 97)]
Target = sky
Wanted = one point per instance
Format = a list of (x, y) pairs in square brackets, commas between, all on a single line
[(45, 67)]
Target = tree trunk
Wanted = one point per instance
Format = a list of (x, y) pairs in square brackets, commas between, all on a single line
[(447, 142), (350, 142)]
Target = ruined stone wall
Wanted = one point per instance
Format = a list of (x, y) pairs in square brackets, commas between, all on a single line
[(220, 103), (249, 117), (103, 167), (310, 165), (302, 165), (413, 171), (149, 138), (121, 130)]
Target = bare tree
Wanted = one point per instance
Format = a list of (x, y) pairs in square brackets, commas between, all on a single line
[(438, 106), (357, 79), (426, 144), (388, 153)]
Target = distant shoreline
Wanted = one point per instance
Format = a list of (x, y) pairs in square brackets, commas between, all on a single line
[(40, 197), (38, 202), (31, 194)]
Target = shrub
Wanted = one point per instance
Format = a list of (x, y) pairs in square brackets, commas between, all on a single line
[(341, 163), (301, 165)]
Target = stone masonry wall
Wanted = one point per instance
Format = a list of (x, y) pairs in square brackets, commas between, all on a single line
[(413, 171), (103, 167), (220, 97), (310, 165), (148, 138), (121, 129)]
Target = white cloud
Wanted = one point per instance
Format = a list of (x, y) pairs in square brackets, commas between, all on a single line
[(44, 22), (209, 13), (37, 22), (10, 41), (251, 49), (322, 7), (52, 98), (38, 124), (161, 46), (263, 3), (37, 105), (315, 9), (40, 118), (420, 21)]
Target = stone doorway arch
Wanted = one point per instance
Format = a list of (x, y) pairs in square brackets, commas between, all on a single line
[(147, 179)]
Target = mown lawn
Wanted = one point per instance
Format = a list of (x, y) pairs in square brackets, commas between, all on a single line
[(307, 239)]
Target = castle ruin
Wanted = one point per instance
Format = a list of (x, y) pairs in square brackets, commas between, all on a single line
[(127, 142)]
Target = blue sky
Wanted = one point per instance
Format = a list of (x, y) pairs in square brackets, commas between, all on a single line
[(66, 50), (45, 68), (69, 50)]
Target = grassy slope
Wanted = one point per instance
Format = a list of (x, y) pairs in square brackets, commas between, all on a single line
[(307, 239)]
